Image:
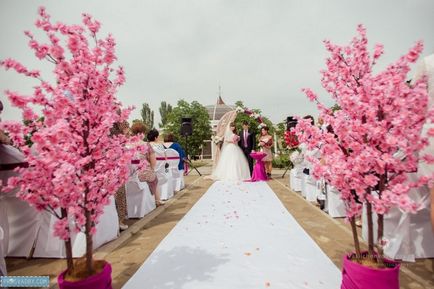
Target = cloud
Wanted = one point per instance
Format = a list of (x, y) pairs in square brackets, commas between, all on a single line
[(261, 52)]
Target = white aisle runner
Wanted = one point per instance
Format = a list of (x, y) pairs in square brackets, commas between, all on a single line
[(237, 236)]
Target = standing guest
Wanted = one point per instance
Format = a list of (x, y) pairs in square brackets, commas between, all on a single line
[(120, 197), (247, 143), (148, 175), (169, 142), (266, 143)]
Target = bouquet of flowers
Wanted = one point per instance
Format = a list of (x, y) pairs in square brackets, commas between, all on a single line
[(291, 139), (268, 143), (217, 139), (235, 138)]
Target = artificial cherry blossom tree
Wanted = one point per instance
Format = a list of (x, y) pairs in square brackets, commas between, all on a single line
[(373, 141), (75, 165)]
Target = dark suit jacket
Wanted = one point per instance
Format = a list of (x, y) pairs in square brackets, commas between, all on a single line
[(251, 141)]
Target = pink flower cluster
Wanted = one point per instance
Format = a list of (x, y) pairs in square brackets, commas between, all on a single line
[(74, 162), (373, 142), (253, 114)]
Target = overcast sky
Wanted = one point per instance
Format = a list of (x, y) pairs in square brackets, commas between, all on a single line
[(260, 52)]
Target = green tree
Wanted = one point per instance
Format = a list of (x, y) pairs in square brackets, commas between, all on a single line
[(147, 115), (200, 122), (239, 103), (280, 132), (165, 109)]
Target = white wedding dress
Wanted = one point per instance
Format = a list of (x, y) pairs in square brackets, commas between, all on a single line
[(232, 165)]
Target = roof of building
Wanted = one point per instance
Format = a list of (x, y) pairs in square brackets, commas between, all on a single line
[(216, 111)]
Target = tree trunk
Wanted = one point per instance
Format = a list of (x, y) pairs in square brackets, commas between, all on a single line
[(380, 221), (380, 237), (68, 245), (356, 238), (370, 230), (89, 243)]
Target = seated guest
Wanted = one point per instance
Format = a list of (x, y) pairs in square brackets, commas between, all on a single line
[(152, 137), (169, 142), (148, 175)]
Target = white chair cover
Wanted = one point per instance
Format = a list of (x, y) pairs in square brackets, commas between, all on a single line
[(140, 201), (176, 174), (309, 187), (408, 236), (21, 214), (29, 227), (108, 227), (308, 184), (295, 178), (318, 190), (4, 228), (334, 204), (3, 241), (165, 179), (8, 155), (23, 226), (3, 270), (47, 246)]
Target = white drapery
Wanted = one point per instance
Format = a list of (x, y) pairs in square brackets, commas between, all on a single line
[(226, 119)]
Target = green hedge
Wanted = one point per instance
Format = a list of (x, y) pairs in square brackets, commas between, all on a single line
[(282, 161)]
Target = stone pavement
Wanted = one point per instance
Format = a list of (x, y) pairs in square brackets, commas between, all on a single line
[(128, 252)]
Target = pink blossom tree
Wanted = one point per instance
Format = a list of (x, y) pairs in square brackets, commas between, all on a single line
[(373, 141), (75, 165)]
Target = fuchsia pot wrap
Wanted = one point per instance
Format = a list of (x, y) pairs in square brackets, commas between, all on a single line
[(356, 276), (258, 173), (102, 280)]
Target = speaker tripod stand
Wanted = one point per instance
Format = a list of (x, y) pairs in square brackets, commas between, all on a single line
[(286, 170), (187, 159)]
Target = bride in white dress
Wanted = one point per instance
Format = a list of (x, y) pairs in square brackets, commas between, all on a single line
[(232, 165)]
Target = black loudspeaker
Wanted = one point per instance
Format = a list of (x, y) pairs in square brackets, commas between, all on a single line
[(186, 126), (290, 122)]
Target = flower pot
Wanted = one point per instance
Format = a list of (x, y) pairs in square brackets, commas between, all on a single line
[(101, 280), (357, 276)]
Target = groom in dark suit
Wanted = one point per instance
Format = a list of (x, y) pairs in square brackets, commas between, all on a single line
[(247, 143)]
